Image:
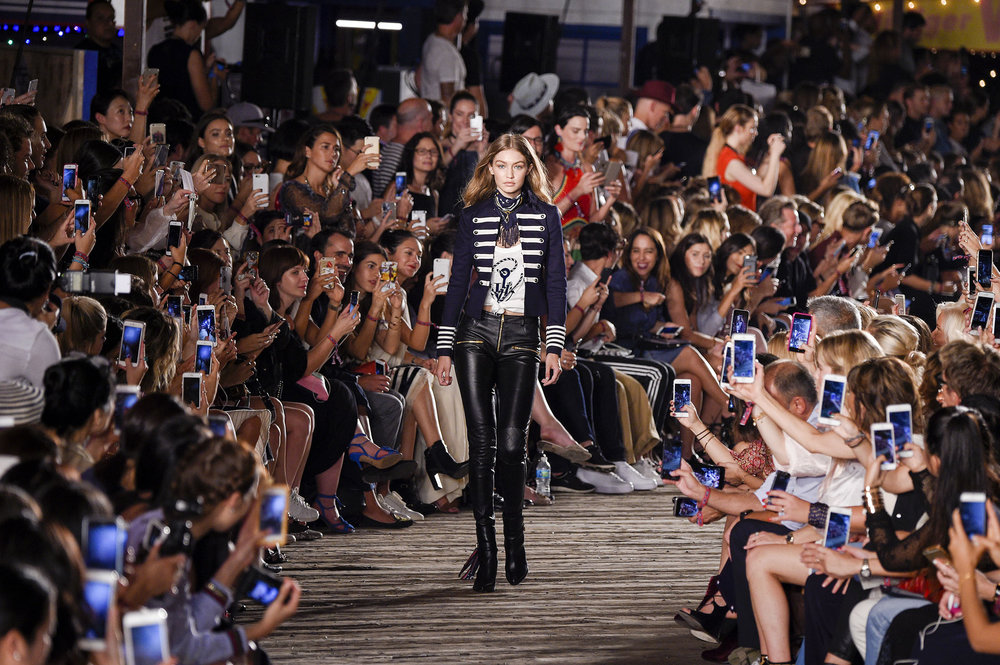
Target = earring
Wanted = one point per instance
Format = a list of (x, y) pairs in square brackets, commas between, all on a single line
[(17, 656)]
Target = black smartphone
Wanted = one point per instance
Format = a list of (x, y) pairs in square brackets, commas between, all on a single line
[(715, 188), (606, 275), (984, 268), (741, 319), (685, 507), (780, 483), (188, 274), (673, 450), (174, 234), (709, 475), (260, 586), (798, 337), (870, 141)]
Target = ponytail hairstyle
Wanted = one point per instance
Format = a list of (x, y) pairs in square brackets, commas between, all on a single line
[(919, 199), (85, 319), (74, 389), (482, 185), (735, 115), (27, 268), (308, 140)]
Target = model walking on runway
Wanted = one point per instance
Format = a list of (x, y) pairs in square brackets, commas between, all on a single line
[(508, 273)]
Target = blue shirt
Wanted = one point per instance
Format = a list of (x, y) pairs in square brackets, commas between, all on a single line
[(632, 321)]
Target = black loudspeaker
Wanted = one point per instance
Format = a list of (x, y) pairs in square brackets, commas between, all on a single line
[(279, 45), (685, 42), (530, 42)]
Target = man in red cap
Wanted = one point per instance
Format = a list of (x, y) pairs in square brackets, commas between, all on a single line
[(655, 99)]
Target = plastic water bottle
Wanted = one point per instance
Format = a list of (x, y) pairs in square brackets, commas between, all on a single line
[(543, 476)]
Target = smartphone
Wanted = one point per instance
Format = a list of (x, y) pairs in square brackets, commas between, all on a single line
[(260, 586), (274, 515), (715, 188), (251, 260), (93, 190), (32, 86), (352, 301), (612, 171), (874, 237), (682, 397), (798, 337), (883, 441), (158, 183), (987, 236), (744, 353), (203, 357), (175, 169), (673, 451), (191, 388), (68, 180), (99, 590), (781, 480), (261, 182), (187, 314), (389, 208), (150, 73), (192, 208), (870, 141), (442, 268), (832, 401), (388, 271), (132, 335), (400, 183), (418, 218), (146, 641), (972, 281), (219, 426), (685, 507), (188, 274), (476, 126), (8, 96), (996, 317), (670, 331), (750, 263), (221, 174), (104, 543), (125, 399), (727, 362), (900, 301), (935, 553), (158, 133), (206, 323), (741, 319), (81, 216), (981, 312), (984, 268), (128, 151), (973, 512), (838, 528), (785, 302), (928, 124), (900, 416), (709, 475), (371, 145)]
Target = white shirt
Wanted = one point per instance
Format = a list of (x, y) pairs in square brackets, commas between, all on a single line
[(580, 277), (506, 292), (27, 347), (441, 63), (634, 125)]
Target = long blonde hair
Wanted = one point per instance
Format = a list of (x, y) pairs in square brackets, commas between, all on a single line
[(736, 115), (15, 214), (830, 153), (834, 217), (843, 349), (482, 185), (712, 224)]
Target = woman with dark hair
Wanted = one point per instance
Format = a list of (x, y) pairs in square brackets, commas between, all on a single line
[(112, 111), (27, 346), (78, 408), (183, 72), (775, 122), (531, 129), (424, 165), (573, 181), (27, 614), (353, 131)]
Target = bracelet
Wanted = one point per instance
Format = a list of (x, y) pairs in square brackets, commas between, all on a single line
[(817, 515), (83, 256), (854, 439), (871, 499), (426, 323), (582, 310), (371, 318), (333, 340), (138, 112), (125, 182), (698, 436), (701, 506), (790, 538), (77, 259)]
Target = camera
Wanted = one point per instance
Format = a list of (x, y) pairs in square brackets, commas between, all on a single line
[(98, 282)]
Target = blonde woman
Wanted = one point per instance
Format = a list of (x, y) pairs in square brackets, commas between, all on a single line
[(712, 224), (951, 324), (834, 215), (725, 156), (86, 323), (826, 166)]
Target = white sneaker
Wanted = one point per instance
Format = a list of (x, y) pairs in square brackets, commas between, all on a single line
[(639, 481), (299, 510), (604, 482), (647, 468), (396, 504), (386, 504)]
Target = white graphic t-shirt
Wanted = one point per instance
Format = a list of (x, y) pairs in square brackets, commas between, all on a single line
[(507, 281)]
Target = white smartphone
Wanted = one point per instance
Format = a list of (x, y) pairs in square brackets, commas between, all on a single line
[(32, 86), (158, 133), (418, 218), (900, 302), (371, 145), (981, 312), (203, 357), (262, 182), (838, 528), (99, 591), (972, 509), (146, 640), (81, 216), (832, 399), (274, 515), (442, 268), (103, 545), (68, 180), (328, 266), (682, 397), (883, 442), (132, 334), (900, 416), (191, 383), (744, 354), (206, 323), (192, 206), (476, 127)]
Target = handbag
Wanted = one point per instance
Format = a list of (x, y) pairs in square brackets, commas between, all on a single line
[(317, 385), (372, 367)]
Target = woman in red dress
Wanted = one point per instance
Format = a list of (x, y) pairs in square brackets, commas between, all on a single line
[(572, 179), (726, 155)]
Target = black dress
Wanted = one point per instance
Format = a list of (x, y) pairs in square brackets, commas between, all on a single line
[(171, 57)]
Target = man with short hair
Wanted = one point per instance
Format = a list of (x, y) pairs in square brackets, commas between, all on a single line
[(442, 69), (382, 118), (412, 117), (340, 89), (652, 104), (912, 33), (102, 36), (680, 146), (833, 313), (917, 103), (942, 100), (794, 273)]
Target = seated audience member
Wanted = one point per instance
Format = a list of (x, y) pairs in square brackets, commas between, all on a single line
[(27, 347)]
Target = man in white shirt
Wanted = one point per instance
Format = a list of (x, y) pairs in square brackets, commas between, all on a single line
[(442, 70)]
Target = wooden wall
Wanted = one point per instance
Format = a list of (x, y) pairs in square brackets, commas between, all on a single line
[(61, 80)]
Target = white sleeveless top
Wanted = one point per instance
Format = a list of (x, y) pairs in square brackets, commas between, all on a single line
[(506, 292)]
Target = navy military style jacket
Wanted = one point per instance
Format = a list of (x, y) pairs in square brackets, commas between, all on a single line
[(540, 228)]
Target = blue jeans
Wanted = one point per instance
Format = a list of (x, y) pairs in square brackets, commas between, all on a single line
[(879, 619)]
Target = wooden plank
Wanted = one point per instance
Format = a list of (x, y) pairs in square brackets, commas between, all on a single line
[(607, 574)]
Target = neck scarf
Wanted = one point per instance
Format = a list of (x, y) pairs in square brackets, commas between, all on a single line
[(508, 234)]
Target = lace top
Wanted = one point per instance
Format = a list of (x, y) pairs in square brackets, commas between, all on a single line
[(295, 197)]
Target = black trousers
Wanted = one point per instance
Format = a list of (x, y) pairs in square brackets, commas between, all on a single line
[(828, 615), (739, 595), (497, 354)]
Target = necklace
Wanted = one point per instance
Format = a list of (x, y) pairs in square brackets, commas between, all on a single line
[(567, 165), (508, 234)]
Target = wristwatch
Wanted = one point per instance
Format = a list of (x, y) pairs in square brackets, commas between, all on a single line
[(790, 538), (866, 571)]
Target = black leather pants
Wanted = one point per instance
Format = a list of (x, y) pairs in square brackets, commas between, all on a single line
[(497, 353)]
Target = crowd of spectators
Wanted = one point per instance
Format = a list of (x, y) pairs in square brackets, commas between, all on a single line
[(201, 310)]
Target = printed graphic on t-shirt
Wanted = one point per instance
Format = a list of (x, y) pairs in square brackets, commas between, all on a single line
[(508, 275)]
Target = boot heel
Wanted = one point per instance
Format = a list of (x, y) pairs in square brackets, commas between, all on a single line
[(435, 480)]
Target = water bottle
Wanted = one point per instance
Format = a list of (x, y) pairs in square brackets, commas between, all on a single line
[(543, 475)]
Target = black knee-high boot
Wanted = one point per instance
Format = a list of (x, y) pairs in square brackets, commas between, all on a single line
[(481, 489), (510, 483)]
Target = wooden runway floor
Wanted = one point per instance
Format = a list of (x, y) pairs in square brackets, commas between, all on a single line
[(607, 574)]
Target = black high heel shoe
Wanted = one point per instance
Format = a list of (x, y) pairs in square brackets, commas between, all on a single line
[(486, 555), (439, 461), (515, 559)]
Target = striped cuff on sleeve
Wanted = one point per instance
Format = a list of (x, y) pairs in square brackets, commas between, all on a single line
[(445, 340), (555, 339)]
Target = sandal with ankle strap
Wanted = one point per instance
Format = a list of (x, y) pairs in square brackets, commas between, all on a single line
[(339, 525), (383, 459)]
